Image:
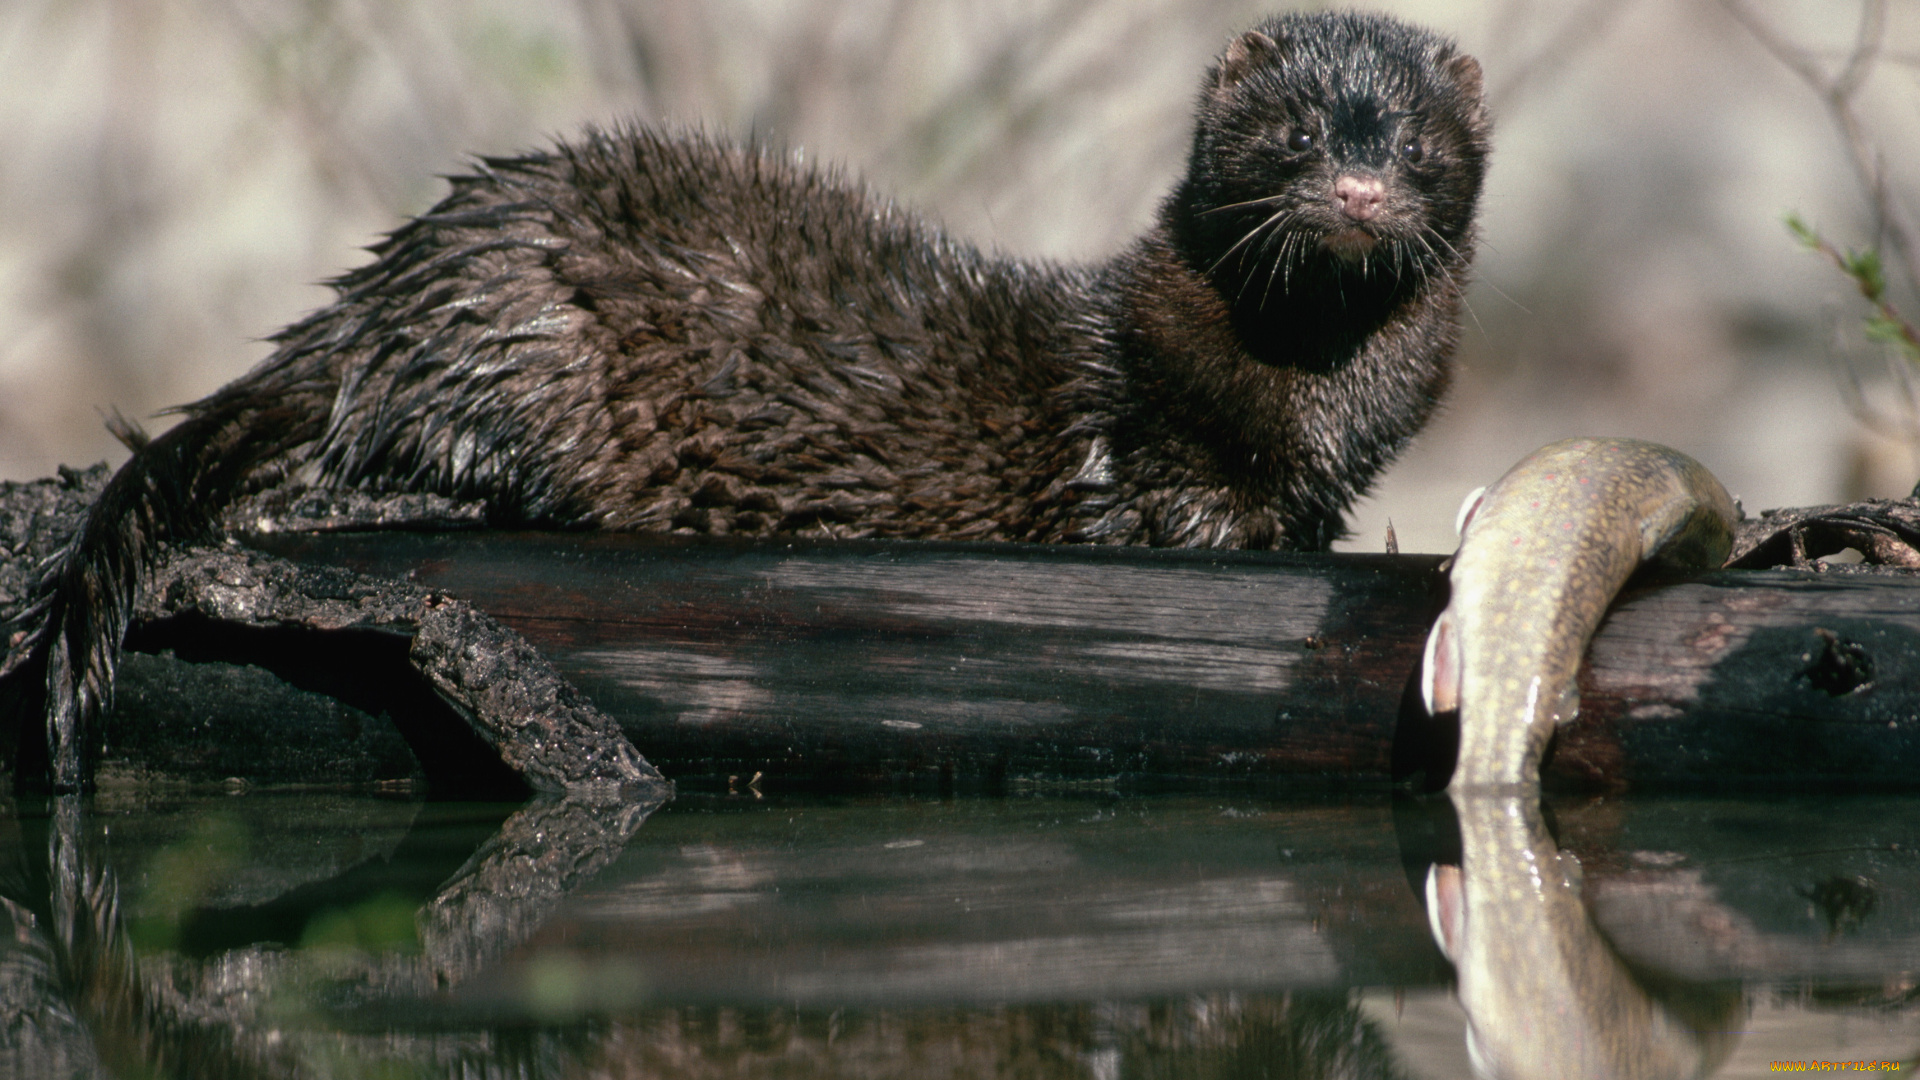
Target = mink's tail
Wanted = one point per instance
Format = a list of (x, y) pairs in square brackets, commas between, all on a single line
[(173, 489)]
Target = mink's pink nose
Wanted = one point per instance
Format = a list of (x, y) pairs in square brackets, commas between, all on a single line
[(1360, 197)]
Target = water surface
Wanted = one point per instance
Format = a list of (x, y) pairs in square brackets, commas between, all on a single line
[(1037, 933)]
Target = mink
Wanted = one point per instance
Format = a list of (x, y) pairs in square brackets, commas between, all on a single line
[(660, 331)]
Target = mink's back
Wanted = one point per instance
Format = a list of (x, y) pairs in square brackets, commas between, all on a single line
[(641, 331)]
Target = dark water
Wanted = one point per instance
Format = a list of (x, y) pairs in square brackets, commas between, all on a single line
[(1037, 934)]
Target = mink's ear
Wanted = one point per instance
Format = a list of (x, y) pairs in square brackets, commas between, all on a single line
[(1465, 72), (1248, 51)]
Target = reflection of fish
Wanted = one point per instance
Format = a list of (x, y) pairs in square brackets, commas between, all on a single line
[(1544, 994), (1542, 553)]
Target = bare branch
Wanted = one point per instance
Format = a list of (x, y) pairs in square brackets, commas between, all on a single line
[(1575, 32), (1866, 49), (1838, 92)]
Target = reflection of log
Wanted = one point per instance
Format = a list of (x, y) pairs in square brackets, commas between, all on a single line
[(512, 884), (731, 900), (741, 936), (818, 903), (823, 661)]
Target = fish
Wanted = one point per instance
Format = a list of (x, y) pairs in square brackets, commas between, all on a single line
[(1543, 551), (1546, 996)]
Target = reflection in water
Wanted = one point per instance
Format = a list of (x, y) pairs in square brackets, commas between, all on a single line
[(1307, 1036), (76, 1003), (512, 884), (356, 998), (74, 999), (1073, 938), (1545, 994)]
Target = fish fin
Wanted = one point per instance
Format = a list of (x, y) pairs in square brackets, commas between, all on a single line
[(1444, 906), (1440, 667), (1664, 529), (1467, 506), (1693, 528), (1687, 534)]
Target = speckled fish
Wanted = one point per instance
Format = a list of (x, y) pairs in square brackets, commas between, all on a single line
[(1542, 553), (1546, 996)]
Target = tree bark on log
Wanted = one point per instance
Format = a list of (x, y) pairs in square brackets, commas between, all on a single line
[(870, 662)]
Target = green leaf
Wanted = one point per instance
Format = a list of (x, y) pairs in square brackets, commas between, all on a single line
[(1864, 267), (1888, 330), (1802, 231)]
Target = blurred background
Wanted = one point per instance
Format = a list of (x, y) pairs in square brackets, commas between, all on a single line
[(179, 177)]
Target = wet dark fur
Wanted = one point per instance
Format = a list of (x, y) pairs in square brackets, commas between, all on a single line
[(662, 332)]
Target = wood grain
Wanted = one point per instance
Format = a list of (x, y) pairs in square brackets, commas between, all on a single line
[(813, 662)]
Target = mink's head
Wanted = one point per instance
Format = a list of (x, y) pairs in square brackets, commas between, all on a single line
[(1332, 150)]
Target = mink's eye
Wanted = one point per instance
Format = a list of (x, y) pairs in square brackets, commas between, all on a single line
[(1299, 141), (1413, 150)]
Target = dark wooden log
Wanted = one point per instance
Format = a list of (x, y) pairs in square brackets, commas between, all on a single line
[(1757, 679), (863, 661), (174, 720)]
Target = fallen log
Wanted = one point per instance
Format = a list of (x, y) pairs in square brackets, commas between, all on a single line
[(869, 662)]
